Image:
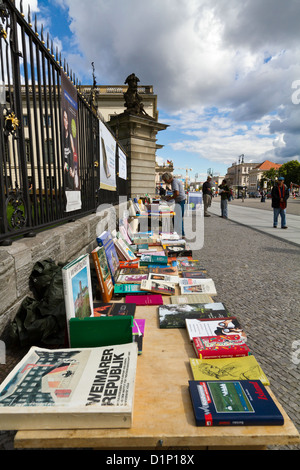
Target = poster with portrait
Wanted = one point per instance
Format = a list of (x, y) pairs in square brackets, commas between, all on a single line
[(107, 158), (69, 107), (122, 164)]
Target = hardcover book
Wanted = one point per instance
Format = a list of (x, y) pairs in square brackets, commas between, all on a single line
[(213, 347), (228, 368), (148, 299), (103, 273), (113, 309), (226, 326), (158, 287), (60, 389), (77, 285), (93, 332), (233, 403), (105, 239), (174, 316)]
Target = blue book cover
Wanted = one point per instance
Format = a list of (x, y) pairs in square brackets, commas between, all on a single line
[(233, 403), (105, 239)]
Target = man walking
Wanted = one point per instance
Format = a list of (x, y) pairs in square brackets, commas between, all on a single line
[(280, 195), (179, 197), (207, 195)]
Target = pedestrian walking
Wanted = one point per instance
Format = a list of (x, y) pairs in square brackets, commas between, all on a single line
[(179, 198), (207, 195), (225, 195), (280, 194)]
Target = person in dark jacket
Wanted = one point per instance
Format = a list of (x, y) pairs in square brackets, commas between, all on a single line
[(280, 194)]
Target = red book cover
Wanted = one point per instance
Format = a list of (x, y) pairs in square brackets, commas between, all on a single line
[(129, 264), (144, 299), (216, 347)]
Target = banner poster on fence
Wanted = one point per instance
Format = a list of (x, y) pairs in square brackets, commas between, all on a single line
[(122, 164), (107, 158), (69, 108)]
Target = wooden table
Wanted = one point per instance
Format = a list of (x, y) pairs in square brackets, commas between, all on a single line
[(163, 415)]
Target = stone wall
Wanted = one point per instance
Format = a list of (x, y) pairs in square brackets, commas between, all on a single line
[(62, 244)]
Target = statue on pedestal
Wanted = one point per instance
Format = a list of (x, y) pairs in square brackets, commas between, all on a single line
[(133, 101)]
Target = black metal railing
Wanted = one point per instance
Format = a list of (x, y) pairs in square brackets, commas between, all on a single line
[(32, 184)]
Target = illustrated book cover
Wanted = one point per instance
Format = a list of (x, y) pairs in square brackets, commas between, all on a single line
[(103, 273), (169, 270), (226, 326), (106, 240), (163, 278), (233, 403), (77, 286), (174, 315), (158, 287), (213, 347), (111, 309), (124, 249), (147, 260), (195, 274), (131, 278), (198, 286), (70, 389), (228, 368)]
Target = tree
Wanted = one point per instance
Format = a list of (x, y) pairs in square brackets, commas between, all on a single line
[(291, 172)]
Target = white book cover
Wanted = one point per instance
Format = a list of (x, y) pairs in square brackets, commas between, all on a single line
[(226, 326), (70, 389), (163, 277), (204, 286)]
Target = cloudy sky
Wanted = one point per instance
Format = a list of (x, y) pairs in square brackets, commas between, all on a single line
[(226, 72)]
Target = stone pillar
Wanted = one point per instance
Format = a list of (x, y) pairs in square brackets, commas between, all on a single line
[(137, 135)]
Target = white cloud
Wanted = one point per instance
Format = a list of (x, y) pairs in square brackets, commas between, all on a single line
[(238, 59)]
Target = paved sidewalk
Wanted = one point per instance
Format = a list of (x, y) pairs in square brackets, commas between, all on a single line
[(261, 220)]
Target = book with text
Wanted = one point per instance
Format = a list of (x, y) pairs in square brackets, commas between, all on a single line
[(198, 286), (148, 299), (106, 240), (103, 273), (226, 326), (174, 316), (147, 260), (228, 368), (191, 299), (210, 347), (158, 287), (113, 309), (77, 285), (233, 403), (59, 389)]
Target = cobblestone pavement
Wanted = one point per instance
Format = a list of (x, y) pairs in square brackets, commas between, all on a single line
[(257, 278)]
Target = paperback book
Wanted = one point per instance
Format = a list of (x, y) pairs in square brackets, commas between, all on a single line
[(213, 347), (195, 274), (132, 278), (124, 249), (228, 368), (179, 250), (227, 326), (59, 389), (158, 287), (103, 273), (148, 299), (169, 270), (147, 260), (113, 309), (123, 289), (106, 240), (198, 286), (233, 403), (174, 316), (128, 264), (191, 299), (163, 278)]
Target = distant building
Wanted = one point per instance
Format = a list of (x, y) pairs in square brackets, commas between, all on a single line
[(256, 174)]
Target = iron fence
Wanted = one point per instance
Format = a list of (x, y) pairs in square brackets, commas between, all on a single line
[(32, 183)]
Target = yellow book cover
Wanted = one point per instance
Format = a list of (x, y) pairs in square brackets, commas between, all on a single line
[(231, 368)]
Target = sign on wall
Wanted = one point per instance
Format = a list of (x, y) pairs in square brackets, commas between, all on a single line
[(107, 158), (122, 164)]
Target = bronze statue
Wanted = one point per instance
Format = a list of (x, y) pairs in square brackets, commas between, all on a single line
[(133, 101)]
